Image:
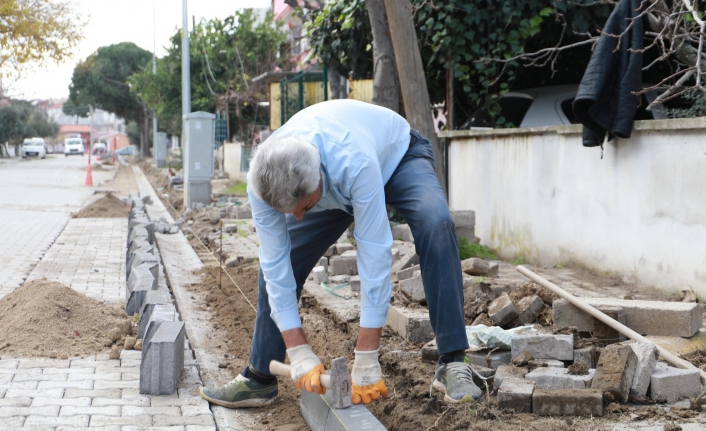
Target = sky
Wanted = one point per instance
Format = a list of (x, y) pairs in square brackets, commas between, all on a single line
[(106, 22)]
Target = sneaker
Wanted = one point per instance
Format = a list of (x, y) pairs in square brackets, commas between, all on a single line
[(241, 392), (455, 380)]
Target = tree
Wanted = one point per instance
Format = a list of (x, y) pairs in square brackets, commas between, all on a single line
[(20, 120), (225, 56), (386, 87), (36, 31), (102, 81)]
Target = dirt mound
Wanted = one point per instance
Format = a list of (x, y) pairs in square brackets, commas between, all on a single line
[(106, 207), (45, 318)]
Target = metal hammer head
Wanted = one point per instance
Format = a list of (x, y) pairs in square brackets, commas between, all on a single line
[(340, 389)]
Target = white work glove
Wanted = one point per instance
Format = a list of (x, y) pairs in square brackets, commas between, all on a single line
[(306, 369), (368, 383)]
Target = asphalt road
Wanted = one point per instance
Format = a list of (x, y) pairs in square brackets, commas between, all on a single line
[(37, 198)]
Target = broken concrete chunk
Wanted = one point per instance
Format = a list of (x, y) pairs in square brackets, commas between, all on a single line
[(566, 314), (587, 355), (615, 371), (492, 360), (647, 355), (344, 265), (355, 283), (559, 378), (493, 270), (320, 275), (475, 266), (502, 311), (528, 309), (323, 262), (567, 402), (330, 251), (508, 372), (407, 273), (402, 232), (430, 352), (516, 395), (413, 288), (543, 345), (343, 247), (395, 255), (407, 260)]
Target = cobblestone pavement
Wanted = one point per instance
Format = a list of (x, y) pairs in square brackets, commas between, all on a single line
[(67, 395), (36, 199), (88, 256)]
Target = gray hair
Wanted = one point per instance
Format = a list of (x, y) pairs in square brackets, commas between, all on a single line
[(284, 170)]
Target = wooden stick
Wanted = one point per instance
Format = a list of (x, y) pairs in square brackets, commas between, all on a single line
[(283, 370), (664, 353)]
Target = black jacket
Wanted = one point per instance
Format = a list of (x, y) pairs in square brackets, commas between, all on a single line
[(604, 101)]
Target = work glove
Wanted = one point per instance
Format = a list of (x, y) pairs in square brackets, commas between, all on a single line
[(368, 383), (306, 369)]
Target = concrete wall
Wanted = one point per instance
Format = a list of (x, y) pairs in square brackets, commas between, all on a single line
[(232, 161), (639, 213)]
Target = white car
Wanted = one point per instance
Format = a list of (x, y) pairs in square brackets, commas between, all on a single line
[(33, 147), (73, 146)]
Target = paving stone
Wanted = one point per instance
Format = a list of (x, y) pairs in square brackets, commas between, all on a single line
[(475, 266), (163, 360), (121, 384), (142, 421), (189, 410), (528, 309), (508, 372), (516, 395), (94, 377), (647, 355), (85, 384), (674, 384), (541, 363), (86, 370), (163, 410), (343, 247), (77, 421), (543, 345), (104, 393), (141, 281), (162, 420), (318, 415), (465, 222), (344, 265), (152, 299), (497, 358), (160, 313), (559, 378), (402, 232), (407, 273), (587, 355), (678, 319), (411, 324), (615, 371), (42, 363), (106, 410), (133, 402), (17, 402), (49, 393), (330, 251), (355, 283), (502, 311), (407, 260), (45, 401), (70, 428), (129, 354), (567, 402), (167, 428), (413, 288), (39, 377), (320, 275), (430, 352)]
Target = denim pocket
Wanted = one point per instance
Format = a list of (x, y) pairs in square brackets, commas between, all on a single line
[(419, 147)]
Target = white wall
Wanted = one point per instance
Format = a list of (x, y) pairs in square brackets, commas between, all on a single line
[(232, 161), (639, 213)]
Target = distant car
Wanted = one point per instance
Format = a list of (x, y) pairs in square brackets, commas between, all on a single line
[(73, 146), (553, 106), (33, 147), (126, 151), (99, 148)]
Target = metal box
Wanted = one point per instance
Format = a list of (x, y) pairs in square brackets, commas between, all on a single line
[(160, 150), (199, 139)]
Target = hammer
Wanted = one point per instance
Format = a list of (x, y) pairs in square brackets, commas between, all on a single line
[(337, 381)]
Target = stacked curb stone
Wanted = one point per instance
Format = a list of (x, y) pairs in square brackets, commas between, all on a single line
[(162, 333)]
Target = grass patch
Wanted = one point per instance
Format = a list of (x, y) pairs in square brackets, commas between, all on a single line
[(519, 260), (238, 188), (466, 250)]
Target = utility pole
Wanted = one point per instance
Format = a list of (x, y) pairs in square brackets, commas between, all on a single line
[(90, 133), (154, 67), (185, 69), (410, 70)]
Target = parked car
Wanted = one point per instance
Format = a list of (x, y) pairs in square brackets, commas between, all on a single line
[(33, 147), (73, 146), (126, 151), (552, 106)]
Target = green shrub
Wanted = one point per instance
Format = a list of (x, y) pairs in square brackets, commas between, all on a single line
[(466, 250)]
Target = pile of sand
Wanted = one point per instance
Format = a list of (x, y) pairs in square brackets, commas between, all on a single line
[(106, 207), (44, 318)]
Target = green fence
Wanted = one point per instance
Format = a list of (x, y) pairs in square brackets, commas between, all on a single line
[(302, 90)]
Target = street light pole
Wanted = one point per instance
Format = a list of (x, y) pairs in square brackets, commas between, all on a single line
[(185, 68), (154, 70)]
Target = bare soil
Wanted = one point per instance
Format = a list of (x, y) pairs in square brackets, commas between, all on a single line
[(123, 184), (108, 206), (44, 318)]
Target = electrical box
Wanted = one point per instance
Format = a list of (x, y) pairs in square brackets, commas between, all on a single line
[(199, 140), (160, 150)]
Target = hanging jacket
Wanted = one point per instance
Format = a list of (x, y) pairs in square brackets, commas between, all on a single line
[(605, 101)]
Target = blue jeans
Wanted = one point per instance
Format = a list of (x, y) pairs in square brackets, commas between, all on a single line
[(414, 191)]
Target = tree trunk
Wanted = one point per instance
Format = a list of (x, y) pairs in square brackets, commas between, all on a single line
[(386, 87), (338, 85), (415, 94), (145, 123), (239, 117)]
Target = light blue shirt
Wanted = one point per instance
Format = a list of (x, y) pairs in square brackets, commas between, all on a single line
[(360, 145)]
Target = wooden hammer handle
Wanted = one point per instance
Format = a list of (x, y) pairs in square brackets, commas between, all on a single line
[(283, 370)]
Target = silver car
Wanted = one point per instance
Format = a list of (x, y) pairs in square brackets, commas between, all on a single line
[(33, 147)]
